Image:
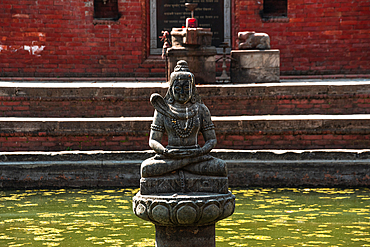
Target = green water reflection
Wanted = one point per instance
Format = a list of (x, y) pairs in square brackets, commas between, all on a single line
[(263, 217)]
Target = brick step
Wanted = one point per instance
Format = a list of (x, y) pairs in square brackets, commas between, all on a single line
[(234, 132), (270, 168), (116, 99)]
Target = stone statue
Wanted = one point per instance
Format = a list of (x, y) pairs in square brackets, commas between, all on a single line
[(183, 189), (182, 115), (253, 41)]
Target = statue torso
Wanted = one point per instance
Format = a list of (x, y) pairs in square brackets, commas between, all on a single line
[(183, 125), (182, 133)]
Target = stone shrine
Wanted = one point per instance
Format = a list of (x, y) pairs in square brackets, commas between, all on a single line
[(183, 189), (193, 44), (254, 61)]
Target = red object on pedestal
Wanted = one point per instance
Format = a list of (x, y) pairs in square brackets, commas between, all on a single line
[(191, 22)]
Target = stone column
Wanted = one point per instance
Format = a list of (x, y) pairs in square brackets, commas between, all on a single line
[(185, 236)]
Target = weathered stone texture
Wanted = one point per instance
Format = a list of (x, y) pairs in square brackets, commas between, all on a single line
[(250, 66)]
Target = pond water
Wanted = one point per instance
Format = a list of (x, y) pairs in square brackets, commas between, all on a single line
[(263, 217)]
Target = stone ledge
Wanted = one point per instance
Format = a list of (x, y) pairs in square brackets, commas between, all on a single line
[(314, 168)]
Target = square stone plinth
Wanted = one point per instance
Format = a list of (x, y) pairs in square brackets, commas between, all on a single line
[(201, 62), (249, 66)]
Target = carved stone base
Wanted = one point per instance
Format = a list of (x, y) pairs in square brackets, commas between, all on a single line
[(189, 183), (249, 66), (195, 236), (190, 209)]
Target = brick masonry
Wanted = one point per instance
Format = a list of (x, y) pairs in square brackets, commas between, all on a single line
[(106, 116), (128, 100), (244, 133), (51, 38)]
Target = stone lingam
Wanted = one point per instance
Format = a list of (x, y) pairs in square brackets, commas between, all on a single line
[(183, 189)]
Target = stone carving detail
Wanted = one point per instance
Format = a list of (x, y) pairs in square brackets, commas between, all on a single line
[(251, 40), (191, 210)]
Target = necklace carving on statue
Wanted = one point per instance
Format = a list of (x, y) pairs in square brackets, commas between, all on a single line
[(183, 132)]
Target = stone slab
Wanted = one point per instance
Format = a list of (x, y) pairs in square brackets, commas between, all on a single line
[(250, 66)]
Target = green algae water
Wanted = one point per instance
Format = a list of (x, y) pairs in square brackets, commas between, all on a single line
[(263, 217)]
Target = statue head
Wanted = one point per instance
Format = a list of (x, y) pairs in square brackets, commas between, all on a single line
[(182, 85)]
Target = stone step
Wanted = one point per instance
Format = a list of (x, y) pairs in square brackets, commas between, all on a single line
[(233, 132), (269, 168), (116, 99)]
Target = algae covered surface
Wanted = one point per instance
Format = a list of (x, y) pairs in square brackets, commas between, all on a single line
[(263, 217)]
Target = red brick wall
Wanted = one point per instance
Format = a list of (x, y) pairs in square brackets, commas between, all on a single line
[(59, 38), (252, 134), (219, 106), (21, 100), (321, 37), (66, 41)]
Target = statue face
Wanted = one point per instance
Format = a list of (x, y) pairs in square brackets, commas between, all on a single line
[(181, 89)]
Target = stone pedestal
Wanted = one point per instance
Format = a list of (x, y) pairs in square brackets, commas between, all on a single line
[(184, 219), (250, 66)]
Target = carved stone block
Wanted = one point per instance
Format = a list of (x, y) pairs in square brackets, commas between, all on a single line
[(251, 40), (249, 66), (191, 183), (182, 37)]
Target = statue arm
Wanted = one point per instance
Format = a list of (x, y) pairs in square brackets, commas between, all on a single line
[(210, 141), (155, 141), (156, 133), (208, 131)]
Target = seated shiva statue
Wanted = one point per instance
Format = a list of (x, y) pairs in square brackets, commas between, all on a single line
[(182, 166)]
